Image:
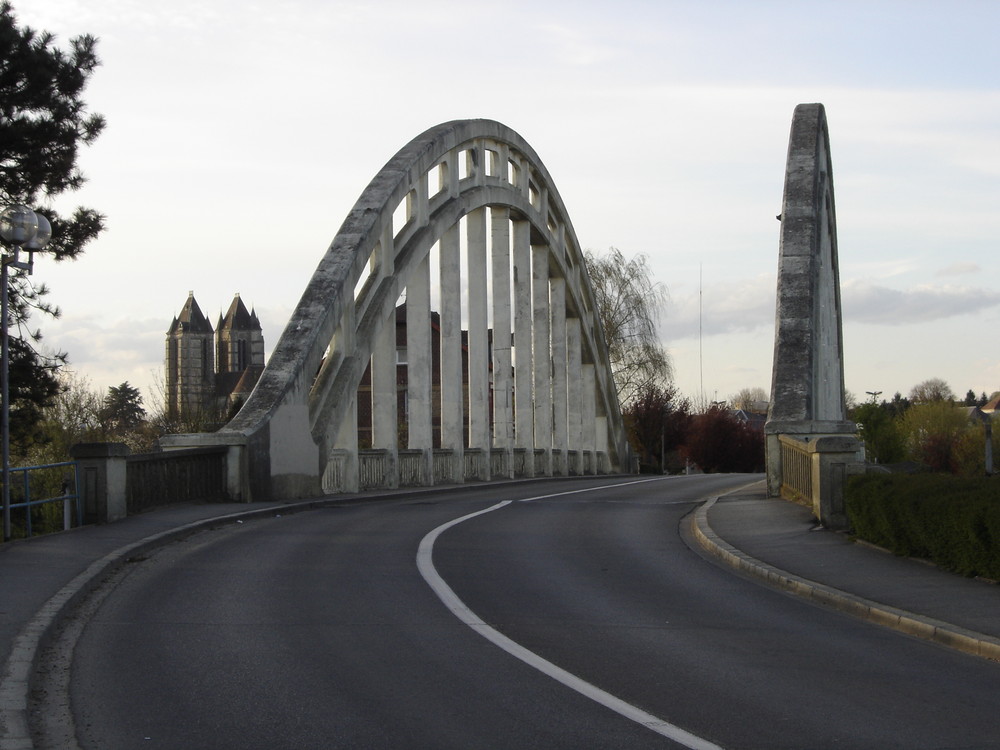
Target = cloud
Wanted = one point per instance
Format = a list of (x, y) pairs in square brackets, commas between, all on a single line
[(739, 306), (111, 352), (867, 303), (747, 305), (960, 269)]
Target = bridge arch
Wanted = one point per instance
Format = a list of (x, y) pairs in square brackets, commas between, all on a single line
[(518, 381)]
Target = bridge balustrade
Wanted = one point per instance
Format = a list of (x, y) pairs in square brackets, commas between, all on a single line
[(373, 468), (814, 471), (412, 468), (169, 477), (796, 464), (474, 460), (448, 467), (114, 483)]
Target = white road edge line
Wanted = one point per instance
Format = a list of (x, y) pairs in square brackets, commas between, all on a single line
[(425, 564)]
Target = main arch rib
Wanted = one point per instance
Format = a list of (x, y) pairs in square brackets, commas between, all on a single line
[(523, 385)]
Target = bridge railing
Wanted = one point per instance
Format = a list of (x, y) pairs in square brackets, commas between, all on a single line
[(165, 478), (814, 470), (36, 491), (113, 483), (796, 474), (376, 470)]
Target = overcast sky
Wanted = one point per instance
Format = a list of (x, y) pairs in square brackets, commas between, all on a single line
[(241, 133)]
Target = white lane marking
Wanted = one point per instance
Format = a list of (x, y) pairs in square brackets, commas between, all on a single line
[(458, 608)]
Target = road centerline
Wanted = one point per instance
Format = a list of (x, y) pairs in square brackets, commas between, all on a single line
[(457, 607)]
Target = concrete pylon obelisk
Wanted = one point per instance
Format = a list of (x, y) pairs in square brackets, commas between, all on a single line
[(807, 382)]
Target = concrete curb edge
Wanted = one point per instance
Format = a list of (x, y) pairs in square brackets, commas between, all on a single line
[(945, 634)]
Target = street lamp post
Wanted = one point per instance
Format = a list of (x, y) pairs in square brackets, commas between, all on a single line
[(19, 227)]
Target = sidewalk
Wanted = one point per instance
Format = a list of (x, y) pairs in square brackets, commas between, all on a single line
[(779, 542)]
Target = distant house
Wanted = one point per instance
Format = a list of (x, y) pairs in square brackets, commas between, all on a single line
[(992, 406), (752, 419)]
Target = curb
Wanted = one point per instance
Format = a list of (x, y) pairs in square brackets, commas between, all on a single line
[(919, 626)]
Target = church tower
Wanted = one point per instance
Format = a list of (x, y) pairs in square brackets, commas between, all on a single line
[(239, 353), (209, 374), (240, 339), (190, 360)]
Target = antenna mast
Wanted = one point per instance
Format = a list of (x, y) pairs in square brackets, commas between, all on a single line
[(701, 358)]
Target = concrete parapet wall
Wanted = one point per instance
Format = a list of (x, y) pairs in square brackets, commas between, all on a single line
[(239, 469), (116, 483)]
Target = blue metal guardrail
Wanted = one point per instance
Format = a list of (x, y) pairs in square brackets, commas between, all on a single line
[(21, 487)]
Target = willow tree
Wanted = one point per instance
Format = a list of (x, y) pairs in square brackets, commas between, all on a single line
[(629, 303)]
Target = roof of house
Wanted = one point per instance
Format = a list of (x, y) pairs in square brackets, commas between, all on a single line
[(239, 383), (752, 419)]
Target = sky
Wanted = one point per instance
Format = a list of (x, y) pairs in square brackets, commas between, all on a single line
[(241, 133)]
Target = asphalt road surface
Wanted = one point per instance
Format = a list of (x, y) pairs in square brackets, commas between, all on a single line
[(556, 614)]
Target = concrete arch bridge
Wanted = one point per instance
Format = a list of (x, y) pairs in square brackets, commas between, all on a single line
[(452, 307)]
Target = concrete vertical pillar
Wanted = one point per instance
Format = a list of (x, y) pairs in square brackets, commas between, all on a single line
[(346, 439), (385, 426), (807, 381), (524, 437), (574, 393), (385, 254), (479, 355), (557, 313), (417, 203), (419, 365), (103, 475), (542, 355), (452, 395), (503, 384), (452, 174), (601, 444), (346, 443), (477, 163), (588, 415)]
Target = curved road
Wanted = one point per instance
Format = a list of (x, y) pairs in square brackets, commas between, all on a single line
[(350, 628)]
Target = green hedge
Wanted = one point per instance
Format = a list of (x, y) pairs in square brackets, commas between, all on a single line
[(952, 521)]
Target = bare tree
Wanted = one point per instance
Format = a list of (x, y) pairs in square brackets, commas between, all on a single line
[(628, 302), (934, 389), (749, 399)]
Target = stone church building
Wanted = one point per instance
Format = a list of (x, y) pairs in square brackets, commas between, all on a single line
[(210, 373)]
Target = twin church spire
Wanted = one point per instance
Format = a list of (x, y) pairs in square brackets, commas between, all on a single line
[(210, 373)]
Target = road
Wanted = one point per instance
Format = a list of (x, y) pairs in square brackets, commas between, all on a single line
[(557, 614)]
